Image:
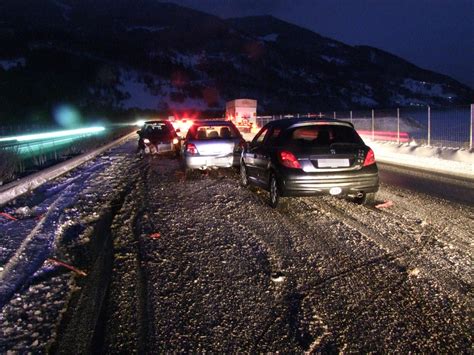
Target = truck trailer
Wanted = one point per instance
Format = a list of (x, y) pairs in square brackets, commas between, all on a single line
[(243, 113)]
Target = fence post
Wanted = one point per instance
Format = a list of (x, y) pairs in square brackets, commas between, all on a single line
[(472, 122), (398, 125), (350, 114), (373, 124), (429, 126)]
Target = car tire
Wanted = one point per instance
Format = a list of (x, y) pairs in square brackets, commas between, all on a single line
[(367, 199), (274, 192), (244, 179)]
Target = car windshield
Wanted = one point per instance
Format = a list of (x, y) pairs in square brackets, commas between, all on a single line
[(321, 136), (213, 132)]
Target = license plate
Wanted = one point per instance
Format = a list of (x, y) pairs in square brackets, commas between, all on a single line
[(218, 161), (333, 163)]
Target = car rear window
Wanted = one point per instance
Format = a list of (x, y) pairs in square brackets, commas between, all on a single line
[(321, 135), (202, 132), (157, 130)]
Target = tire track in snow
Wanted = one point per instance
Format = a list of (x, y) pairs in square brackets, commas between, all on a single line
[(396, 247)]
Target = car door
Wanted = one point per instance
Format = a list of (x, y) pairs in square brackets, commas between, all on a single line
[(252, 153), (263, 155)]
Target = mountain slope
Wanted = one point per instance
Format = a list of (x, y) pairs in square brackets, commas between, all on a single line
[(120, 54)]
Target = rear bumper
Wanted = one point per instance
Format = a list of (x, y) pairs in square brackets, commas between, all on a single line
[(298, 183), (204, 162), (159, 148)]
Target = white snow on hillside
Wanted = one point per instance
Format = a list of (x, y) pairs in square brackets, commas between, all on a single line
[(160, 95), (334, 60), (66, 10), (188, 60), (8, 64), (187, 104), (401, 100), (364, 100), (147, 28), (425, 88), (139, 94), (272, 37)]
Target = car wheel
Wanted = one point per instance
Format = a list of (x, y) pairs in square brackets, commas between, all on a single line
[(367, 199), (274, 192), (244, 180)]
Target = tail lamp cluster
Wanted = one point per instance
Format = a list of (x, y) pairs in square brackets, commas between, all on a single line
[(289, 160)]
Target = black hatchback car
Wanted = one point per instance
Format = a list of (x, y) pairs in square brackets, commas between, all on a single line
[(295, 157), (158, 136)]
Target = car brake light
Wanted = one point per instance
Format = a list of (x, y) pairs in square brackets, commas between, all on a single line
[(289, 160), (191, 149), (369, 158), (175, 141)]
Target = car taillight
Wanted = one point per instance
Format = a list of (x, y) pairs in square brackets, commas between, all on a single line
[(191, 149), (369, 158), (289, 160), (146, 141), (175, 141)]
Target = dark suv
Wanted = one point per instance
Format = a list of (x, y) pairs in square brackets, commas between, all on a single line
[(295, 157)]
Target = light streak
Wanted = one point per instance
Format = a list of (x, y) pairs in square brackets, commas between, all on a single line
[(56, 134)]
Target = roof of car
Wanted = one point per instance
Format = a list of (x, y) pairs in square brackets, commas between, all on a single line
[(212, 122), (156, 121), (288, 122)]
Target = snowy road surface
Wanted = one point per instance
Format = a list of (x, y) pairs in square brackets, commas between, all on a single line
[(198, 263)]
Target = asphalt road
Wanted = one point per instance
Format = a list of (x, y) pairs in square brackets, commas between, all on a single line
[(178, 263), (221, 271), (447, 187)]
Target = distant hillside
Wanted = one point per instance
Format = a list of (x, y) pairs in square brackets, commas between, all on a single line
[(122, 54)]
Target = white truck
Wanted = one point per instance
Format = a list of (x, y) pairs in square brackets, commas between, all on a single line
[(243, 113)]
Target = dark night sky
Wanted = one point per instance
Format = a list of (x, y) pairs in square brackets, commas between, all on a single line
[(433, 34)]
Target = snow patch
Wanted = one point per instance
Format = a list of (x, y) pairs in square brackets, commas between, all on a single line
[(425, 88), (147, 28), (188, 103), (66, 9), (272, 37), (334, 60), (457, 162), (8, 64), (364, 100), (188, 60), (139, 95), (17, 188)]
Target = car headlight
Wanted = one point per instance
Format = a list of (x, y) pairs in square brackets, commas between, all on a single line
[(146, 141)]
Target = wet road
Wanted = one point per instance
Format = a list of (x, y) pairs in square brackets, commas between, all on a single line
[(447, 187), (224, 272), (179, 263)]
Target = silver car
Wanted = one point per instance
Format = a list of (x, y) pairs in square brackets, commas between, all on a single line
[(211, 145)]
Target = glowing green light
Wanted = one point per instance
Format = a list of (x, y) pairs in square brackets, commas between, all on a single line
[(57, 134)]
